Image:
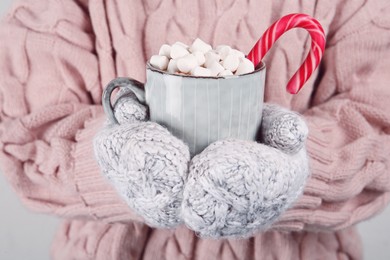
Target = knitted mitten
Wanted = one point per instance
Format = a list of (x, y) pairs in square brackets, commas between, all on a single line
[(232, 189), (238, 187), (145, 163)]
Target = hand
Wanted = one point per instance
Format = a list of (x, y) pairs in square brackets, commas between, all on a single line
[(238, 187), (145, 163)]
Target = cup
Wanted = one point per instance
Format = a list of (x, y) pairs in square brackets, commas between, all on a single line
[(198, 110)]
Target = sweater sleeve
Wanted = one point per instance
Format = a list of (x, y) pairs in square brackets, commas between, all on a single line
[(50, 94), (349, 142)]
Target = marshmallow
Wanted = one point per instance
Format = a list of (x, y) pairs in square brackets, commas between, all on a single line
[(165, 50), (178, 51), (199, 45), (215, 68), (185, 46), (172, 66), (219, 47), (231, 62), (159, 62), (210, 57), (200, 71), (187, 63), (224, 50), (225, 73), (200, 57), (238, 53), (245, 66)]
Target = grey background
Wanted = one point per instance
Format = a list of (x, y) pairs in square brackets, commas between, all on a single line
[(27, 235)]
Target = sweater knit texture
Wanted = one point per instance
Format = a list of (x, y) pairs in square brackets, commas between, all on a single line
[(56, 57), (232, 189)]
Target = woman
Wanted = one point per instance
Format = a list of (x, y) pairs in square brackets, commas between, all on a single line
[(56, 57)]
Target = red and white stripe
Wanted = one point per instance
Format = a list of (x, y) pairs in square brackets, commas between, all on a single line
[(276, 30)]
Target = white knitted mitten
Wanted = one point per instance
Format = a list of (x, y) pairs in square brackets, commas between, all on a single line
[(238, 187), (145, 163)]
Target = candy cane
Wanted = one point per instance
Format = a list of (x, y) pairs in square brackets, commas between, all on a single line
[(276, 30)]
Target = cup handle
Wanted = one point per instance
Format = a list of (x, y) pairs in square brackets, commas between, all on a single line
[(132, 84)]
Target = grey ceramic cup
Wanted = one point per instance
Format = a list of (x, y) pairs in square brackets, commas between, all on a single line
[(198, 110)]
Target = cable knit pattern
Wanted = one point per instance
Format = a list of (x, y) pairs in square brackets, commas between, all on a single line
[(56, 56), (236, 188), (148, 166), (145, 163)]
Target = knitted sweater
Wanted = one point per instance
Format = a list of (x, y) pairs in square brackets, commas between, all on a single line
[(56, 57)]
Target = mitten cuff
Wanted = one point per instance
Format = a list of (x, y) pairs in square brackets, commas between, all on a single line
[(97, 194)]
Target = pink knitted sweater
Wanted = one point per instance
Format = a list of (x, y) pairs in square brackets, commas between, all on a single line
[(56, 56)]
